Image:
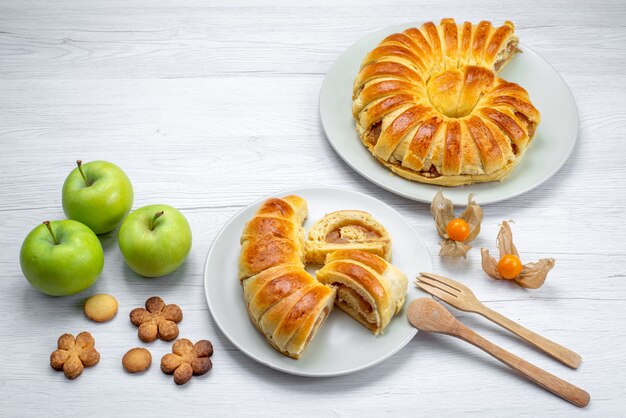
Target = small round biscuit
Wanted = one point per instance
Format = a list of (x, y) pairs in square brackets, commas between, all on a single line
[(137, 360), (101, 308)]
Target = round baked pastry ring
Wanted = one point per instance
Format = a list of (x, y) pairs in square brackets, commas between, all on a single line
[(429, 106)]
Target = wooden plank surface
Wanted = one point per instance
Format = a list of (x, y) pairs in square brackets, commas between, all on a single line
[(209, 106)]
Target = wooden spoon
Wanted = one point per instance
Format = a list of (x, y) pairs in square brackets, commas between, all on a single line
[(428, 315)]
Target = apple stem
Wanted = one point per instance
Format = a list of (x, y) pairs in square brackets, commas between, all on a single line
[(79, 163), (156, 216), (47, 224)]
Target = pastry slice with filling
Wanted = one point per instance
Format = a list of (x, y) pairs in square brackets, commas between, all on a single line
[(288, 306), (369, 289), (347, 230)]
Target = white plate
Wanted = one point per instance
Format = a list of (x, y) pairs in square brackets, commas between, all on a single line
[(550, 149), (342, 345)]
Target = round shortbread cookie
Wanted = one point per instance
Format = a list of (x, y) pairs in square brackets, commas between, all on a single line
[(101, 308), (137, 360)]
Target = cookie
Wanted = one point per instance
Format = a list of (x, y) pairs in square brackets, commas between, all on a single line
[(187, 359), (101, 308), (157, 320), (137, 360), (74, 354)]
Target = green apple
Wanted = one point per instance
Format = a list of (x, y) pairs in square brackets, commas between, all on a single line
[(155, 240), (98, 194), (61, 257)]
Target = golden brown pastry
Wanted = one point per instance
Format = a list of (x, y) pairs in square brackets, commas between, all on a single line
[(347, 230), (284, 302), (369, 289), (429, 106), (274, 236)]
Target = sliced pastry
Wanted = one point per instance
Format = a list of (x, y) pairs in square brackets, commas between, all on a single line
[(347, 230), (285, 303), (369, 289), (288, 306)]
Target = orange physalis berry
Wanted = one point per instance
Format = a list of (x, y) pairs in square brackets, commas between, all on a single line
[(509, 267), (458, 230)]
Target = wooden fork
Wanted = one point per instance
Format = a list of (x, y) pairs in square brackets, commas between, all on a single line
[(461, 297)]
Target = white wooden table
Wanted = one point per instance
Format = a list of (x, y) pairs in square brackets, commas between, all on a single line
[(209, 106)]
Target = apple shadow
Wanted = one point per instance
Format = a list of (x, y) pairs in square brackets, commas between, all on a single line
[(59, 309), (108, 240), (165, 284)]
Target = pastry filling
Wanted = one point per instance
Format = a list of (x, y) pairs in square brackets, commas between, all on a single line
[(431, 173), (356, 302), (318, 322), (530, 126), (505, 54), (351, 233), (374, 133)]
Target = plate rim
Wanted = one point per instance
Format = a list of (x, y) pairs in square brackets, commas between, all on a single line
[(294, 190), (382, 184)]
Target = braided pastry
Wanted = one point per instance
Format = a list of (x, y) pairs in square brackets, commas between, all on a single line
[(429, 106), (284, 302)]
